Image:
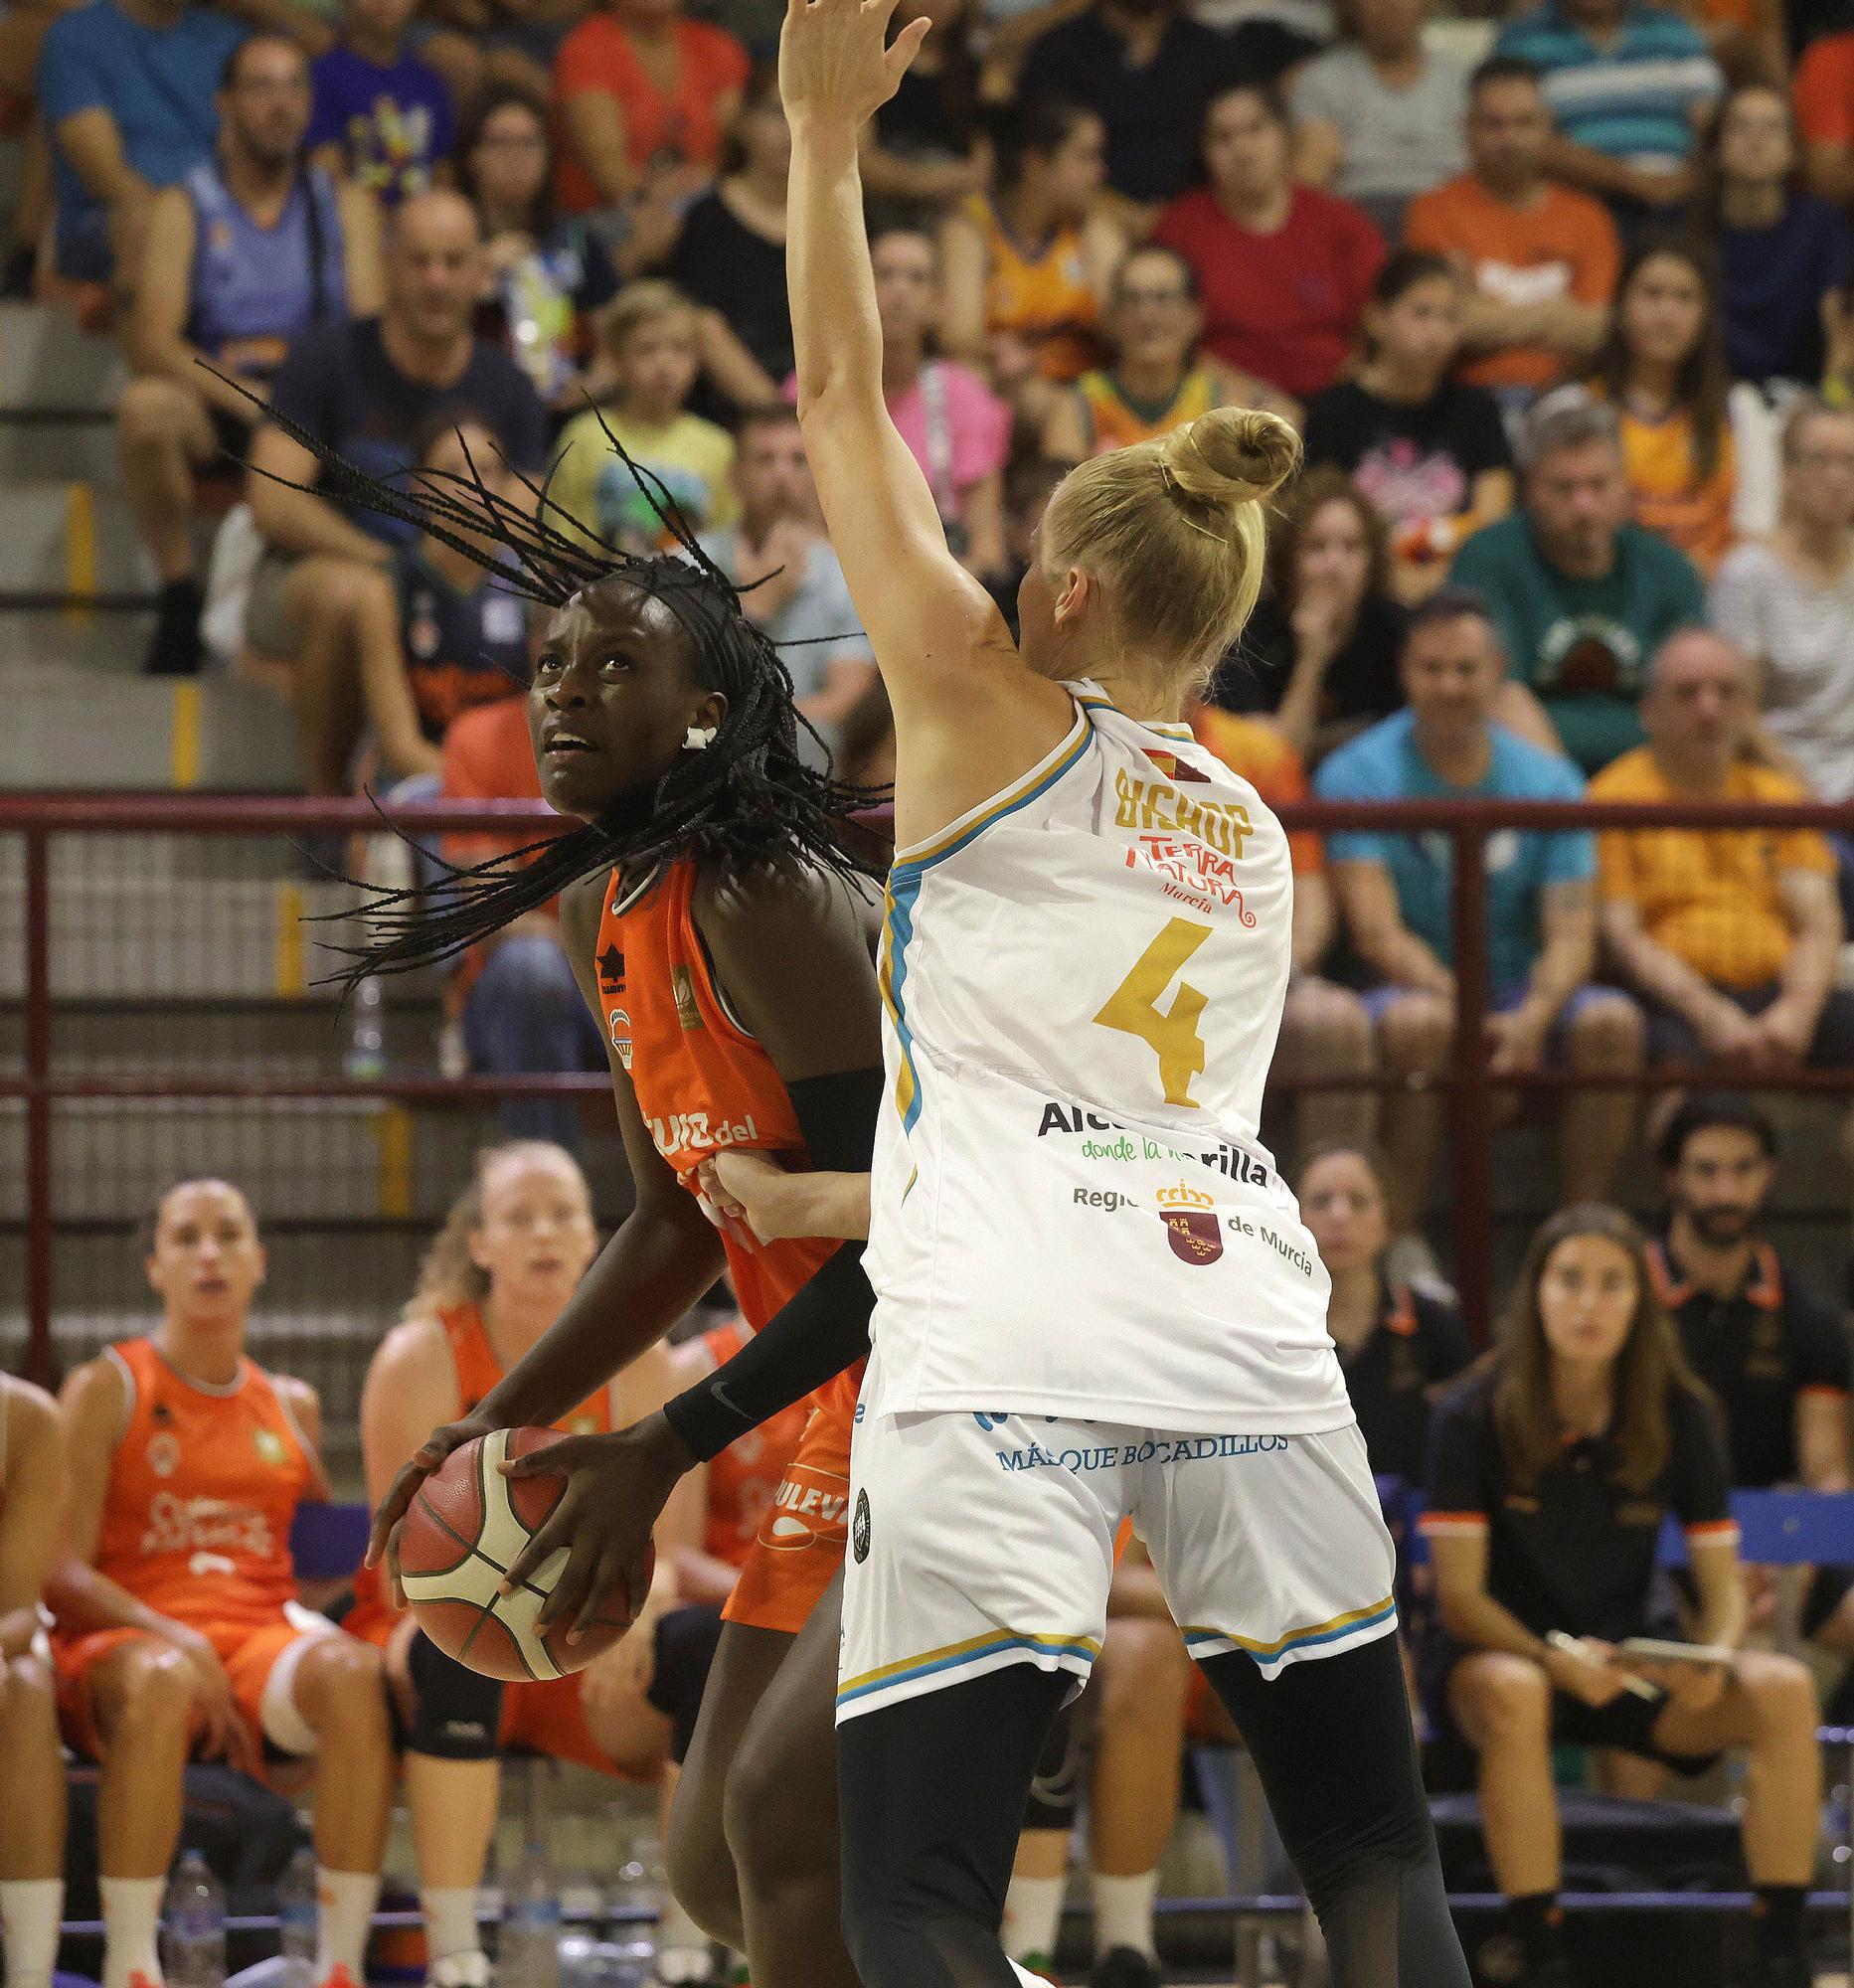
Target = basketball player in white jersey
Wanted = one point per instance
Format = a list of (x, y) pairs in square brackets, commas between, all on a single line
[(1094, 1295)]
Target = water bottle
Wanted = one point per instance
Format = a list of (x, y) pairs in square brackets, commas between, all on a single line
[(580, 1949), (366, 1057), (298, 1917), (528, 1954), (636, 1900), (193, 1929)]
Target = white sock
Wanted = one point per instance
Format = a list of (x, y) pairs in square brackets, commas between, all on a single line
[(1123, 1911), (1032, 1916), (132, 1913), (347, 1899), (30, 1912), (450, 1921)]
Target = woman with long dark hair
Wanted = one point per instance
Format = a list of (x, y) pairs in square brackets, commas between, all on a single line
[(1551, 1471), (712, 915), (1781, 248), (1662, 367)]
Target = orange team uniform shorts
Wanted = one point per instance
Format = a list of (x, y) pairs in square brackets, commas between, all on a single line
[(248, 1651), (807, 1525)]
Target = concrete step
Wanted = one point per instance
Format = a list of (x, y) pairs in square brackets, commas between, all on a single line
[(117, 938), (98, 639), (65, 451), (144, 734), (70, 540), (46, 360)]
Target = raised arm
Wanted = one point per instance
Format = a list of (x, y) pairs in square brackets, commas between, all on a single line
[(969, 716)]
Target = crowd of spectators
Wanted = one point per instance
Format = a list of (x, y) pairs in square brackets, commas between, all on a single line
[(1569, 331)]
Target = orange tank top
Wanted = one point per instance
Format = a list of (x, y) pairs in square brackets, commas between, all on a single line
[(1047, 297), (204, 1484), (478, 1371), (703, 1082), (1115, 421), (743, 1478)]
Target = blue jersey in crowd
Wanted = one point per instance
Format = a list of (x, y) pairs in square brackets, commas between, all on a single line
[(1385, 764), (1632, 99), (393, 122), (157, 85), (254, 288), (463, 646)]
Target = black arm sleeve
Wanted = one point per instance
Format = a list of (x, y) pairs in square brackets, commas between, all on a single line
[(825, 1327)]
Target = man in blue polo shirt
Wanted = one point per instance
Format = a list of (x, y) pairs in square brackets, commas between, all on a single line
[(1540, 915), (1628, 86)]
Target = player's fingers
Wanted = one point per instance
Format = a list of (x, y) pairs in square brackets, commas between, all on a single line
[(553, 1459), (906, 46), (570, 1586), (608, 1576), (554, 1534), (394, 1507), (394, 1585)]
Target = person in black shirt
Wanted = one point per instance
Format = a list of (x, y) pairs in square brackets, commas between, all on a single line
[(1774, 1352), (1429, 453), (370, 390), (1550, 1474), (1320, 652), (1396, 1346)]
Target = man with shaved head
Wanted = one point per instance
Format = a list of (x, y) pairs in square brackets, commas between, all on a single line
[(177, 1632), (1728, 936), (376, 390)]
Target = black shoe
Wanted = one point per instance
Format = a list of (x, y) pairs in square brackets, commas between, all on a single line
[(1782, 1970), (1124, 1967), (175, 650)]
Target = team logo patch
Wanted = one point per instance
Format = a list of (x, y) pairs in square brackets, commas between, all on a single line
[(859, 1529), (610, 964), (811, 1508), (1191, 1224), (163, 1453), (271, 1447), (682, 984), (621, 1035)]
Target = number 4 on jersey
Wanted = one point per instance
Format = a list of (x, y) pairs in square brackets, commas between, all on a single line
[(1172, 1034)]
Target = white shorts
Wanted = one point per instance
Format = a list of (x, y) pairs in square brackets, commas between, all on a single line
[(978, 1541)]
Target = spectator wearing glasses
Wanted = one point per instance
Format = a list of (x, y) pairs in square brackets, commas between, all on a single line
[(250, 248), (1540, 259), (1774, 1352), (1394, 894), (1550, 1475), (1728, 936)]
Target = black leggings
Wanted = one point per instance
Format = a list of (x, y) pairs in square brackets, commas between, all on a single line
[(932, 1794)]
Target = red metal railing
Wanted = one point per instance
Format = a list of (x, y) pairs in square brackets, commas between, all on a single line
[(1468, 824)]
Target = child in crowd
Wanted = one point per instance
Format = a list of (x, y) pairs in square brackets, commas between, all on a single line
[(647, 335), (1430, 454), (381, 116)]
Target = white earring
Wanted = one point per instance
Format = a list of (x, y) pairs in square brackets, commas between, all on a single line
[(698, 738)]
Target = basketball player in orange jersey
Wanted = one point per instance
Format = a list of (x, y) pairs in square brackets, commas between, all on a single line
[(712, 912), (498, 1275), (32, 1816), (176, 1625)]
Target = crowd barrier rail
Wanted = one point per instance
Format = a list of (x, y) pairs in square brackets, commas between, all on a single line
[(38, 821)]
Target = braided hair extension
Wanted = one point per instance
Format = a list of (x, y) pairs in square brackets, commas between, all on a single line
[(748, 800)]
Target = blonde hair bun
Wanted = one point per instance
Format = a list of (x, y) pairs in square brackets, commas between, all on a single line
[(1230, 457)]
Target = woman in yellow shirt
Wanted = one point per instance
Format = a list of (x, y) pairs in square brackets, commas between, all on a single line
[(1663, 365)]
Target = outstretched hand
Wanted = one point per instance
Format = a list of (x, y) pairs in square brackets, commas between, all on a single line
[(835, 64), (616, 1488), (428, 1457)]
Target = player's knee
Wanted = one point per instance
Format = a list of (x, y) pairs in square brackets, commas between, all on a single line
[(456, 1711), (27, 1693), (153, 1694), (1327, 1022), (1145, 1673), (700, 1871), (1778, 1692), (1512, 1699), (757, 1817), (340, 1688), (151, 413)]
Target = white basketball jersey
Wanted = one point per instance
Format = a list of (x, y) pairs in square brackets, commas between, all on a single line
[(1074, 1212)]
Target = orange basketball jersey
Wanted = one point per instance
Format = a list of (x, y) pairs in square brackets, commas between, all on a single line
[(478, 1371), (203, 1487), (703, 1083), (743, 1479)]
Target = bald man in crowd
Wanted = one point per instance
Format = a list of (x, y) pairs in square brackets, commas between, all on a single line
[(378, 389), (1727, 936)]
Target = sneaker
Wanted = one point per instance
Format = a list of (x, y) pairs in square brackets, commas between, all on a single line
[(460, 1970), (175, 650), (1124, 1967)]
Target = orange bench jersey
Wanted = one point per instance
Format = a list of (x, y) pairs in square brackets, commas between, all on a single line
[(204, 1484)]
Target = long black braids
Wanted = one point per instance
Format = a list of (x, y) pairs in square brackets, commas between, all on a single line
[(749, 799)]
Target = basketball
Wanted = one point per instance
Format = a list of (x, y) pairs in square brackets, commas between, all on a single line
[(465, 1530)]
